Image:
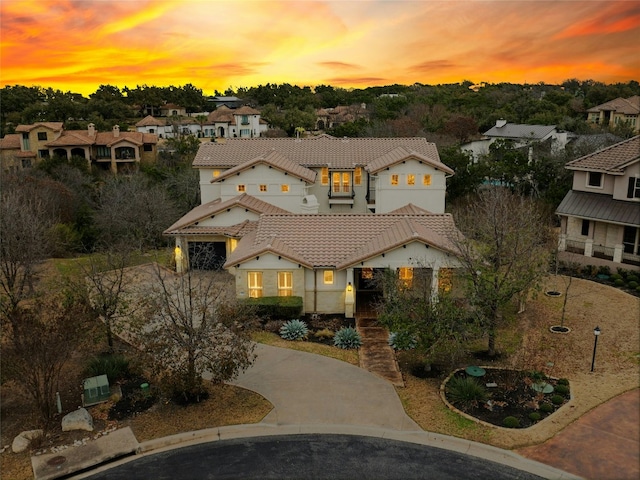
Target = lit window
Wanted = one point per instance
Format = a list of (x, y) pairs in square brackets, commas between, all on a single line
[(367, 273), (263, 188), (394, 179), (426, 180), (241, 188), (444, 280), (411, 179), (357, 176), (324, 176), (328, 277), (255, 284), (284, 188), (216, 173), (406, 276), (285, 284), (233, 244), (594, 179)]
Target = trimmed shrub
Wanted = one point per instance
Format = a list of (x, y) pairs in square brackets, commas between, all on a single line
[(402, 341), (546, 407), (115, 367), (534, 416), (633, 284), (562, 389), (563, 381), (557, 400), (616, 276), (632, 278), (347, 338), (277, 307), (294, 330), (466, 392), (619, 282), (511, 422)]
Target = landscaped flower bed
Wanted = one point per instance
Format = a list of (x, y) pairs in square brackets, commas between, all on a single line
[(505, 398)]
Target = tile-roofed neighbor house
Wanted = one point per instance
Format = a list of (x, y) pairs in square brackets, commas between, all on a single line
[(617, 112), (31, 145), (600, 216), (313, 216)]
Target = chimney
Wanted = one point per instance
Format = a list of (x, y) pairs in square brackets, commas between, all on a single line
[(92, 130), (116, 130), (501, 122)]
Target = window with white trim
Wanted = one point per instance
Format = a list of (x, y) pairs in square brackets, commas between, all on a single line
[(634, 188), (263, 188), (324, 176), (411, 179), (255, 284), (285, 284), (341, 182), (394, 179), (242, 188), (284, 188), (426, 179), (327, 277)]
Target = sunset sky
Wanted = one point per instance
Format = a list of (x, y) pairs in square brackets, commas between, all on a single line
[(79, 45)]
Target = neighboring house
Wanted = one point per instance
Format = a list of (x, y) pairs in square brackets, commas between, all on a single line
[(600, 216), (617, 112), (332, 117), (113, 150), (229, 102), (27, 146), (523, 136), (172, 110), (315, 217), (244, 122)]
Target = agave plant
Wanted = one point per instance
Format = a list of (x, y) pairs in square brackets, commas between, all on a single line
[(347, 338), (294, 330), (402, 341)]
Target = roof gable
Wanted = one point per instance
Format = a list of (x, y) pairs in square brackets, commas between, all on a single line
[(272, 159), (402, 154), (613, 159)]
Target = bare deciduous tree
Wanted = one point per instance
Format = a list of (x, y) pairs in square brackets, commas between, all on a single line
[(37, 341), (23, 243), (195, 326), (505, 251)]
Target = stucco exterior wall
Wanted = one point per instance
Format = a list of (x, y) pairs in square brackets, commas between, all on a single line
[(328, 299), (391, 197), (622, 183), (580, 183)]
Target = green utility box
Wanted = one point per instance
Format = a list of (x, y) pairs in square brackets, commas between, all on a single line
[(96, 390)]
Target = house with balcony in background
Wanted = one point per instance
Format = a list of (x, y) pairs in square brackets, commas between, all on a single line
[(318, 217), (522, 136), (617, 112), (600, 216), (115, 150)]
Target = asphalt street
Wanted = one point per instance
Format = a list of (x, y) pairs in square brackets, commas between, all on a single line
[(329, 457)]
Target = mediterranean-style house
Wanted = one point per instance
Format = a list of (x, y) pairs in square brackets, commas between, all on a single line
[(224, 122), (600, 216), (616, 112), (523, 136), (114, 150), (318, 217)]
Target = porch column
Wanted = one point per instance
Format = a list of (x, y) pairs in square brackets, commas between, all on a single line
[(434, 283), (588, 247), (562, 242), (617, 253), (349, 295)]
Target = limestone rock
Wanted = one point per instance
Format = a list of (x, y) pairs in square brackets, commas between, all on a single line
[(78, 420), (22, 441)]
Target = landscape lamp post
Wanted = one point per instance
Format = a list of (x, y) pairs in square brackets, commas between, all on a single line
[(596, 334)]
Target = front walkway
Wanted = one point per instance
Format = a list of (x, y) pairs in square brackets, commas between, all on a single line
[(375, 353)]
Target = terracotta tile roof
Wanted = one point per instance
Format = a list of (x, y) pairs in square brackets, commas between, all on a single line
[(400, 154), (11, 141), (216, 206), (234, 231), (611, 160), (25, 154), (275, 160), (71, 138), (150, 121), (599, 207), (320, 151), (341, 240), (222, 114), (627, 106), (246, 110), (55, 126)]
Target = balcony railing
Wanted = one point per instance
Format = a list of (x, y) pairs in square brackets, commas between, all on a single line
[(575, 246), (630, 258), (600, 251)]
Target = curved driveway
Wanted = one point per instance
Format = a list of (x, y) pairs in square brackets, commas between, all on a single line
[(314, 390)]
